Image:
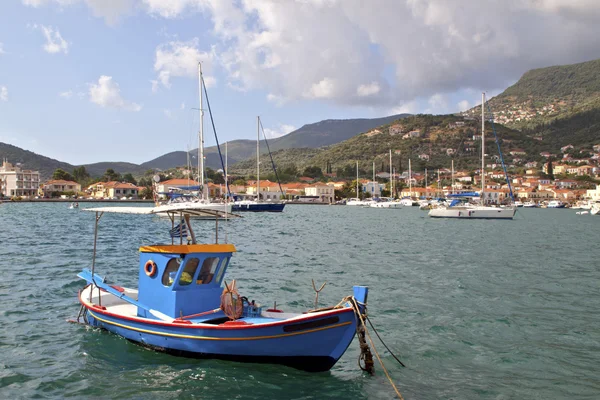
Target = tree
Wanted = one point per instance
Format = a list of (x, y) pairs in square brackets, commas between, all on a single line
[(111, 175), (313, 172), (550, 169), (80, 174), (147, 193), (129, 178), (60, 174)]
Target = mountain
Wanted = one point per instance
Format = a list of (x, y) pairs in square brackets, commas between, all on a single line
[(33, 161), (315, 135), (547, 94)]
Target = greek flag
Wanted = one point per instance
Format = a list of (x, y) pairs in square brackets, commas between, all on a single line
[(180, 230)]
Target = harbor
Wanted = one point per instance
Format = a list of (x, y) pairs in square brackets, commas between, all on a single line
[(476, 310)]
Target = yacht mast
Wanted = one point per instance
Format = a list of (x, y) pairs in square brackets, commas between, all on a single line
[(373, 177), (357, 195), (482, 146), (201, 136), (391, 175), (258, 158), (452, 188), (409, 179), (425, 182), (226, 177)]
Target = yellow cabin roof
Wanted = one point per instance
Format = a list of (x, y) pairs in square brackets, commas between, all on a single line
[(188, 248)]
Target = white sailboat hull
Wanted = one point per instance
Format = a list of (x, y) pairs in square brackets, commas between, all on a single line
[(473, 212)]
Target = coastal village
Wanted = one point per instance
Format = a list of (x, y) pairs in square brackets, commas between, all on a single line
[(574, 180)]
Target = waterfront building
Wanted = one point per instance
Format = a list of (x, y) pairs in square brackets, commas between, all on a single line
[(59, 185), (325, 192), (17, 181), (593, 194), (112, 189)]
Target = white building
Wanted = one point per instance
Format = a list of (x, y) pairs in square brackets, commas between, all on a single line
[(326, 193), (372, 187), (17, 181), (593, 194)]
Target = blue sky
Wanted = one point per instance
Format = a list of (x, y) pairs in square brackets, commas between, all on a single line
[(85, 81)]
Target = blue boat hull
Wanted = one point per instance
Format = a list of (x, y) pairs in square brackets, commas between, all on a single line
[(312, 344), (260, 207)]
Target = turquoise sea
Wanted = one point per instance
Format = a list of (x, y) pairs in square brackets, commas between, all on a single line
[(475, 309)]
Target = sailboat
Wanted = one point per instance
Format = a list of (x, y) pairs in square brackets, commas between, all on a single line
[(458, 209), (201, 201), (258, 205), (356, 201), (407, 200)]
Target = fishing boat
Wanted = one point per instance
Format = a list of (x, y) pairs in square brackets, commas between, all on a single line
[(460, 209), (258, 204), (184, 306), (530, 204)]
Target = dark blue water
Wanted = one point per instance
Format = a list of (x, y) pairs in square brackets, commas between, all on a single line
[(476, 309)]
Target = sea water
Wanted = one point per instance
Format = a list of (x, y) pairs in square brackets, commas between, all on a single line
[(476, 309)]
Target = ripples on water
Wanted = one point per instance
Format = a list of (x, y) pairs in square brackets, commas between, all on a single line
[(476, 309)]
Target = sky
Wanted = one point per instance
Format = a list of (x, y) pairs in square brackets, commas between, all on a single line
[(85, 81)]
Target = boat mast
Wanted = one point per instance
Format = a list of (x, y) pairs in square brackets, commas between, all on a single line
[(425, 182), (201, 136), (357, 195), (452, 188), (226, 177), (258, 158), (482, 146), (391, 175), (373, 177), (409, 179)]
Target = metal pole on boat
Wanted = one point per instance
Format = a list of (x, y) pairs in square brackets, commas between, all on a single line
[(98, 216), (425, 182), (482, 147), (217, 228), (391, 175), (258, 158), (201, 135), (409, 179), (373, 177)]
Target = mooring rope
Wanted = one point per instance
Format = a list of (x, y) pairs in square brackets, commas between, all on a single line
[(357, 312)]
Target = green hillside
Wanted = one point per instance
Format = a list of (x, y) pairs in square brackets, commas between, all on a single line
[(437, 134), (546, 94), (31, 160)]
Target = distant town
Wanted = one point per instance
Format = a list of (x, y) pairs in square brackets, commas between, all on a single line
[(567, 179)]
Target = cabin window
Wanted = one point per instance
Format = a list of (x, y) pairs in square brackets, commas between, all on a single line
[(222, 269), (189, 271), (171, 271), (207, 271)]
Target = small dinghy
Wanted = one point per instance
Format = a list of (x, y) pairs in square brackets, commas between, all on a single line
[(184, 306)]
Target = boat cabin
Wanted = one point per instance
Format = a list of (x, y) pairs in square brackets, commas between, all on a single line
[(181, 280)]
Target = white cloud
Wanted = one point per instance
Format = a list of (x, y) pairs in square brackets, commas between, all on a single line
[(335, 50), (180, 59), (106, 93), (322, 90), (171, 8), (110, 10), (438, 104), (54, 40), (280, 130), (463, 105), (368, 90), (410, 107), (66, 94), (3, 93)]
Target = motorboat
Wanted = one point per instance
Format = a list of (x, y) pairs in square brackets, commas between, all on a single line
[(556, 204)]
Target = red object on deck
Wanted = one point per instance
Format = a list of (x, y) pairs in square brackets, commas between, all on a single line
[(230, 323)]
